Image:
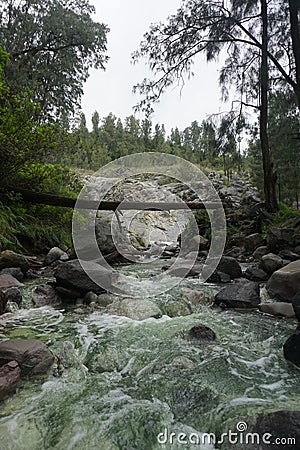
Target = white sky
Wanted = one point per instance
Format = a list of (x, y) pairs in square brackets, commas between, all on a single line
[(111, 91)]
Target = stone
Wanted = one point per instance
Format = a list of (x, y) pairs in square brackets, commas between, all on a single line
[(193, 296), (201, 333), (43, 295), (13, 294), (285, 283), (282, 238), (184, 271), (176, 308), (230, 266), (10, 259), (71, 275), (291, 348), (56, 254), (3, 303), (9, 377), (234, 252), (33, 356), (296, 305), (219, 277), (280, 309), (7, 280), (243, 294), (289, 255), (270, 263), (182, 362), (268, 426), (16, 272), (104, 300), (89, 298), (136, 309), (260, 252), (255, 274), (253, 241)]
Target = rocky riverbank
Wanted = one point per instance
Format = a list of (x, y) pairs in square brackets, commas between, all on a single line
[(259, 273)]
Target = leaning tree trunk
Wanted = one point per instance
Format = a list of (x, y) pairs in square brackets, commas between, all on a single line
[(269, 174)]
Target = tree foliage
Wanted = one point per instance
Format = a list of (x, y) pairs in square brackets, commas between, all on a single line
[(52, 45)]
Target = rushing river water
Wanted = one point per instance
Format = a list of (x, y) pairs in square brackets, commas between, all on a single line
[(128, 381)]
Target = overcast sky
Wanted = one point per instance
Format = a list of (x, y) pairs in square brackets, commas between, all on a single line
[(111, 91)]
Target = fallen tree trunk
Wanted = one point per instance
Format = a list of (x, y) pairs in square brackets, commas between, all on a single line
[(56, 200)]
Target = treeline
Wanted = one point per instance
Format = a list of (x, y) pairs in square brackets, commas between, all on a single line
[(111, 138)]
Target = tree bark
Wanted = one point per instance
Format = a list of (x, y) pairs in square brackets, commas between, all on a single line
[(269, 175), (294, 6), (56, 200)]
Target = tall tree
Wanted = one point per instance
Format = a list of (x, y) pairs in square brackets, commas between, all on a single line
[(235, 25), (52, 46)]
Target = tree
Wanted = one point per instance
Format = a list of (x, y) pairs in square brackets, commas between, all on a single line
[(241, 28), (52, 46)]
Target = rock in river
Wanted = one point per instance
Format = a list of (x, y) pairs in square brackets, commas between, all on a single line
[(11, 259), (71, 275), (9, 377), (285, 283), (32, 356), (136, 309), (243, 294)]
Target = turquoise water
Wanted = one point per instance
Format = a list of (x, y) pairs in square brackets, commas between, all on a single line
[(127, 381)]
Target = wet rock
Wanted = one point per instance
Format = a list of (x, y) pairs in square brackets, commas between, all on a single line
[(282, 424), (32, 356), (285, 283), (234, 252), (71, 275), (219, 277), (184, 271), (13, 294), (230, 266), (16, 272), (296, 305), (243, 294), (193, 296), (3, 303), (136, 309), (270, 263), (12, 307), (7, 280), (282, 238), (255, 274), (253, 241), (289, 255), (279, 309), (89, 298), (291, 348), (103, 358), (43, 295), (104, 300), (56, 254), (260, 252), (176, 308), (201, 333), (67, 295), (9, 377), (10, 259), (182, 362)]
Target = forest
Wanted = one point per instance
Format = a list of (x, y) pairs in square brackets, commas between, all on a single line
[(150, 302), (45, 62)]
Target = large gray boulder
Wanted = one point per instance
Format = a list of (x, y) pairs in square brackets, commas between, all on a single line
[(285, 282), (243, 294), (7, 280), (71, 275), (11, 259), (32, 356)]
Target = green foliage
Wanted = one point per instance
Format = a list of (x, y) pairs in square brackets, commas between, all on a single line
[(52, 46), (37, 227)]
